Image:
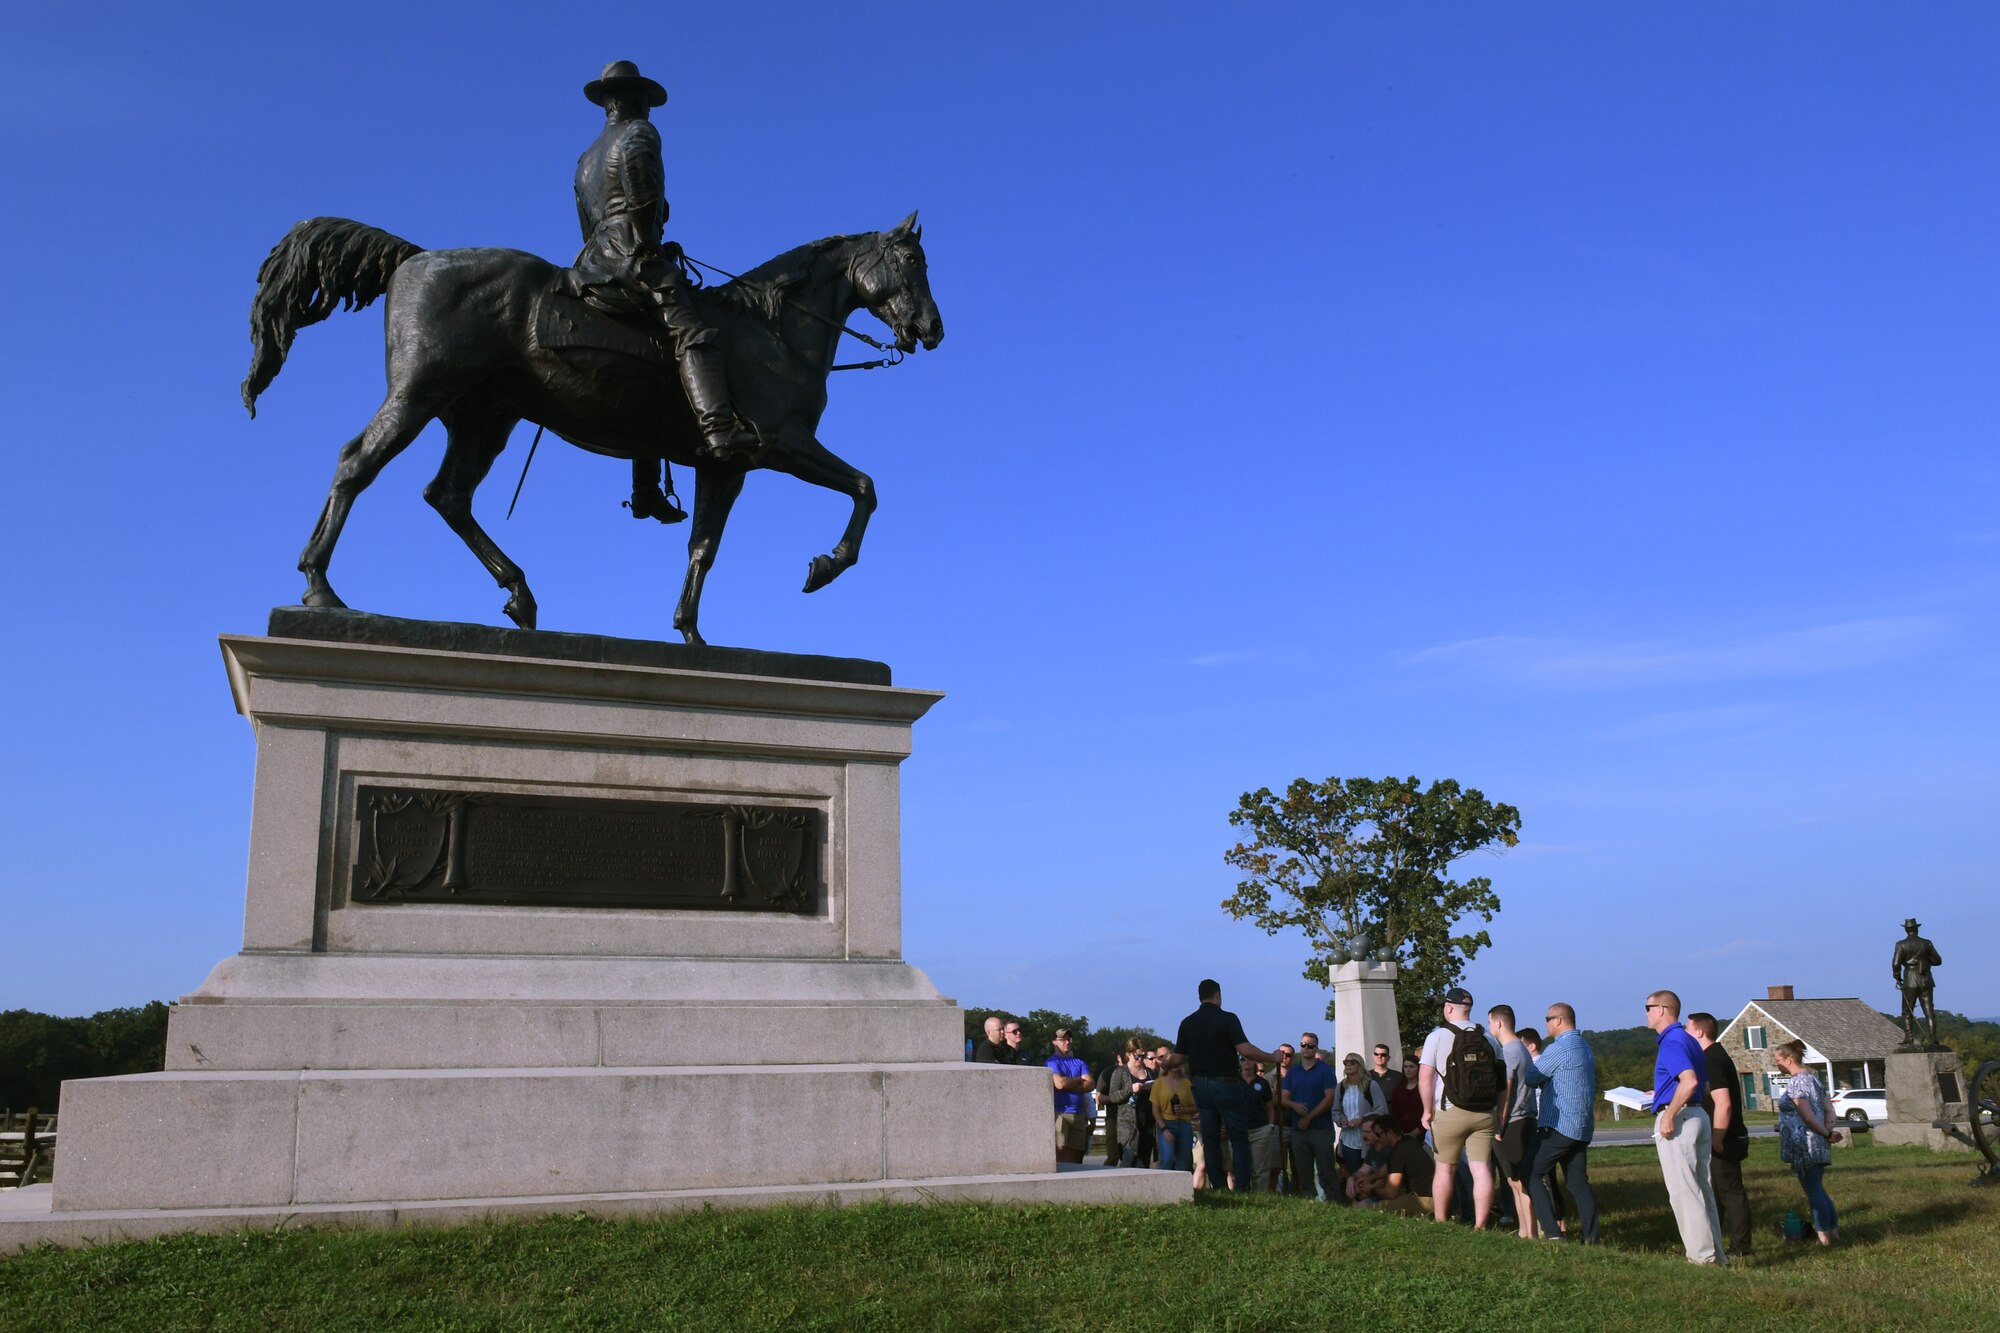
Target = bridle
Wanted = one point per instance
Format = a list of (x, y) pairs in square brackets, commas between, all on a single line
[(893, 355)]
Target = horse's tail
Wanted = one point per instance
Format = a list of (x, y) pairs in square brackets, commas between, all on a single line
[(321, 263)]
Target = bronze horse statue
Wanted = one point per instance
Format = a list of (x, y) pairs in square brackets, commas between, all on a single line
[(482, 339)]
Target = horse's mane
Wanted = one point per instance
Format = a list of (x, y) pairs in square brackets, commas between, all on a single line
[(763, 289)]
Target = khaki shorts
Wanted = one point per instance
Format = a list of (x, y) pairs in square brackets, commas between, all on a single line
[(1072, 1132), (1470, 1132), (1406, 1204)]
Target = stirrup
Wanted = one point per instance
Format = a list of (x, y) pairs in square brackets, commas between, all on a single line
[(653, 504)]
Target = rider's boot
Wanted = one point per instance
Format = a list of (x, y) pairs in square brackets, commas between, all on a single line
[(726, 436), (648, 500)]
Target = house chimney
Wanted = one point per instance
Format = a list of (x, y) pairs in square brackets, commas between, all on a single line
[(1780, 993)]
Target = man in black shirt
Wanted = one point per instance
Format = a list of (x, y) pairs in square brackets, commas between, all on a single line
[(1209, 1041), (1384, 1077), (1263, 1134), (994, 1050), (1731, 1142), (1406, 1168)]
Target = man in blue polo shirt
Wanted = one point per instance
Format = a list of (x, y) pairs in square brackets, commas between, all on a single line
[(1681, 1131), (1073, 1084), (1307, 1093)]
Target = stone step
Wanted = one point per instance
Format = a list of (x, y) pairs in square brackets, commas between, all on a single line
[(262, 1139), (499, 1034)]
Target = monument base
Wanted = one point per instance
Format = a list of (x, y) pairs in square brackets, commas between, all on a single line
[(1926, 1087), (1364, 1012), (386, 1136), (534, 919)]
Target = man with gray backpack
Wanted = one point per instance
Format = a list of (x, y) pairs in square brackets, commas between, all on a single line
[(1463, 1080)]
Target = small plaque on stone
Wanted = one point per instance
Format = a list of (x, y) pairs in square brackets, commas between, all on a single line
[(427, 845)]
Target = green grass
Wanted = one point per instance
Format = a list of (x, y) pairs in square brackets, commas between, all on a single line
[(1921, 1251)]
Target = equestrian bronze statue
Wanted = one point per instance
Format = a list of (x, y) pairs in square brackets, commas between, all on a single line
[(621, 355)]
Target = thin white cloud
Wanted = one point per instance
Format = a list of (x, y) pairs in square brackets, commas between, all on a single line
[(1815, 650), (1685, 722), (1235, 657), (1736, 948)]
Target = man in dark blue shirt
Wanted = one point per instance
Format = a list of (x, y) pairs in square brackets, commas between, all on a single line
[(1209, 1041), (1681, 1131)]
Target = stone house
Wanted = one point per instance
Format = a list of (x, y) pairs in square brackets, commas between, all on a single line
[(1847, 1042)]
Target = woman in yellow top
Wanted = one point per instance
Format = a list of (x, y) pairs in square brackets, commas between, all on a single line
[(1173, 1110)]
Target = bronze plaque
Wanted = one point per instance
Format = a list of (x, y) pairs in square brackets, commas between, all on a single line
[(432, 846)]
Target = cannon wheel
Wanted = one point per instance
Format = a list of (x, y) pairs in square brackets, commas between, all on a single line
[(1983, 1105)]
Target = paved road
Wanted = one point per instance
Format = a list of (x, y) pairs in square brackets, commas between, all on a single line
[(1643, 1133)]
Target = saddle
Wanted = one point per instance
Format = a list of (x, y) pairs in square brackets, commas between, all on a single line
[(567, 317)]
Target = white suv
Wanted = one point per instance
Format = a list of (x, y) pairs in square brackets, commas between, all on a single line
[(1860, 1107)]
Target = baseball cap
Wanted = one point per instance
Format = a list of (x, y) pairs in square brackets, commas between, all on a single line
[(1458, 995)]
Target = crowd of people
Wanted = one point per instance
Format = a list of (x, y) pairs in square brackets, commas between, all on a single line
[(1489, 1124)]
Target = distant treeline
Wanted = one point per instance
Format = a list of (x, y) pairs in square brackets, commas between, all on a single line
[(39, 1051)]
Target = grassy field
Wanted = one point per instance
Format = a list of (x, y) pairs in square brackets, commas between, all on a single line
[(1922, 1251)]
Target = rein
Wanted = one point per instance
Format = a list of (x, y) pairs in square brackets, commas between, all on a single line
[(894, 355)]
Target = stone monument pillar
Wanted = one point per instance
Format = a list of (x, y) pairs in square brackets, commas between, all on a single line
[(545, 921), (1927, 1100), (1364, 1011)]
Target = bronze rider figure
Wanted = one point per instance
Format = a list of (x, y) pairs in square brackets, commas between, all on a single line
[(1911, 965), (621, 203)]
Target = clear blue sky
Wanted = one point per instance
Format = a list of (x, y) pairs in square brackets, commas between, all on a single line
[(1592, 403)]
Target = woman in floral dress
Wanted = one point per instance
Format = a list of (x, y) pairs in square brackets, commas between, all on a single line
[(1805, 1120)]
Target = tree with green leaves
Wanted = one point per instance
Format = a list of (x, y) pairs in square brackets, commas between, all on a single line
[(38, 1051), (1361, 865)]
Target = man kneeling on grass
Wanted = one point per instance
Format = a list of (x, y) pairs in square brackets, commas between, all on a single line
[(1406, 1167)]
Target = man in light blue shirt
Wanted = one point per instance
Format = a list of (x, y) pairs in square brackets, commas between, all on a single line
[(1566, 1072)]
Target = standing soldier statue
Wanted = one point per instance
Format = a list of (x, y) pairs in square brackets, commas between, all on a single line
[(622, 203), (1911, 966)]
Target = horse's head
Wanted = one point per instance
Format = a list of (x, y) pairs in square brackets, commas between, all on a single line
[(894, 283)]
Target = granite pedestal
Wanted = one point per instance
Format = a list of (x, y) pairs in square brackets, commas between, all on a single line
[(390, 1037), (1364, 1012), (1927, 1089)]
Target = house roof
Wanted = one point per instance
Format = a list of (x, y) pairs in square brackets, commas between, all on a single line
[(1849, 1029)]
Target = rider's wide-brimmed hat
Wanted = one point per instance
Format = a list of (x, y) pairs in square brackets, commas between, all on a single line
[(1910, 923), (622, 76)]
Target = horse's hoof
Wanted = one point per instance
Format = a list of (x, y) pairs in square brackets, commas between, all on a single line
[(820, 572), (322, 596), (521, 609), (693, 636)]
